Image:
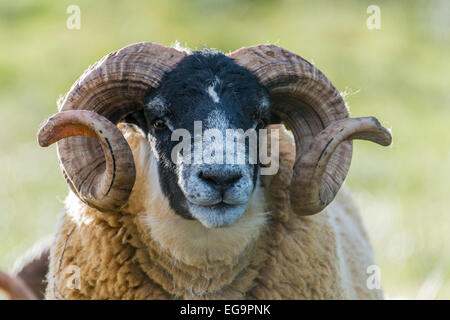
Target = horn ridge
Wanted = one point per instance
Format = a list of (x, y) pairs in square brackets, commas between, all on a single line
[(313, 108), (112, 88)]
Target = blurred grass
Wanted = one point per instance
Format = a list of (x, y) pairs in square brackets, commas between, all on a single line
[(399, 74)]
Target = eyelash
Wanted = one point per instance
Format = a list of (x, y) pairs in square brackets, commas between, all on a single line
[(159, 124)]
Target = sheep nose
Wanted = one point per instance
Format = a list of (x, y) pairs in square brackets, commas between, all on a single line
[(220, 177)]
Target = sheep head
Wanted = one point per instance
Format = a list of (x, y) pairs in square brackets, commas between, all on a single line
[(162, 89)]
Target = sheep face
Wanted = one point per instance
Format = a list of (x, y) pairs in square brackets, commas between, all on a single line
[(199, 123), (164, 90)]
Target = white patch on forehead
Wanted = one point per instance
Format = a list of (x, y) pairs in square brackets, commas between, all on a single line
[(213, 94), (211, 90)]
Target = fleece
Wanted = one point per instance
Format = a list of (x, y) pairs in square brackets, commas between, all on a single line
[(146, 251)]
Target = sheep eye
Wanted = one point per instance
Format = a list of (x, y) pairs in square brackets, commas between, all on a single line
[(158, 124), (261, 124)]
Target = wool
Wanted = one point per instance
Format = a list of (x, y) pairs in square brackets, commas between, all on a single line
[(146, 251)]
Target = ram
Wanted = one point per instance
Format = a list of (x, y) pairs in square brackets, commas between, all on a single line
[(139, 224)]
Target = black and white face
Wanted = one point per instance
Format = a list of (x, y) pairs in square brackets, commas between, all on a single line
[(208, 92)]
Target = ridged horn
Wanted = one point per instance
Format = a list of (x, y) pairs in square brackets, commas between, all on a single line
[(95, 158), (314, 110)]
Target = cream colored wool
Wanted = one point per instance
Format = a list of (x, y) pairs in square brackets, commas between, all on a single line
[(146, 251)]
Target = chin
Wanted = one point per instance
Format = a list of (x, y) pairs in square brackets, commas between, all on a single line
[(218, 215)]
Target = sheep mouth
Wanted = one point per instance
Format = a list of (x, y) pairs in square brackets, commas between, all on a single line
[(218, 204), (217, 215), (221, 206)]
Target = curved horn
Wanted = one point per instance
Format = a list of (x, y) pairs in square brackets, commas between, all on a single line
[(312, 187), (312, 107), (101, 170), (105, 188)]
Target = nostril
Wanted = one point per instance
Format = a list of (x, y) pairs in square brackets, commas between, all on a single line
[(235, 178), (220, 178)]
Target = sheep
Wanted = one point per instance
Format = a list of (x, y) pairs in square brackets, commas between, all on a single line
[(139, 225)]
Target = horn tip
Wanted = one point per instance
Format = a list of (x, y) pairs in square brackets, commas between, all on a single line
[(43, 139), (384, 134)]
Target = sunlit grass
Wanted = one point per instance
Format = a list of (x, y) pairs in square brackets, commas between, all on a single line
[(399, 74)]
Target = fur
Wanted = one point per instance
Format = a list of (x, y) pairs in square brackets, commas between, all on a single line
[(146, 251), (206, 92)]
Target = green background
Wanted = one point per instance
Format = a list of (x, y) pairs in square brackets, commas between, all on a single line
[(400, 74)]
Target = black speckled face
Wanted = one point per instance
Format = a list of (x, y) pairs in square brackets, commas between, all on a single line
[(206, 88)]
